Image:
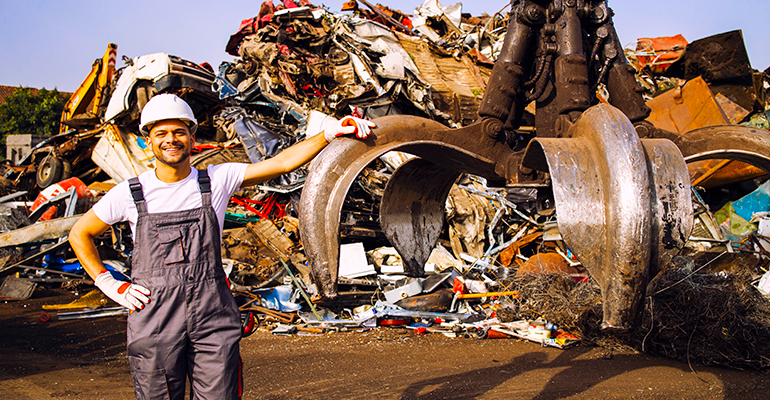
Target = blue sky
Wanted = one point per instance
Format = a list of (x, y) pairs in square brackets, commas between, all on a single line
[(53, 43)]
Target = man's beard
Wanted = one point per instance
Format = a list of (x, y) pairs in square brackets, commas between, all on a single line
[(161, 157)]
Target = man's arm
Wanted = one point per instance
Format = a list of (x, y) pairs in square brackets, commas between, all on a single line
[(81, 238), (286, 161), (300, 153)]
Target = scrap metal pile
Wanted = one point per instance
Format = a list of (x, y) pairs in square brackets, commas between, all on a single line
[(501, 268)]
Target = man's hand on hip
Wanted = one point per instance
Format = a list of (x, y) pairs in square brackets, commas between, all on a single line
[(127, 294), (349, 125)]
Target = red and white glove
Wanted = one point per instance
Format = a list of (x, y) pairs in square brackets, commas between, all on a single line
[(126, 294), (348, 125)]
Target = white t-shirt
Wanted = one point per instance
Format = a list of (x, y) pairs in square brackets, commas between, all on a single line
[(118, 205)]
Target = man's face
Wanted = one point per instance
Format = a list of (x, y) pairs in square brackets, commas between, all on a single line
[(171, 142)]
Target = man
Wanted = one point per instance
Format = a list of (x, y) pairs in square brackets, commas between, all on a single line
[(185, 321)]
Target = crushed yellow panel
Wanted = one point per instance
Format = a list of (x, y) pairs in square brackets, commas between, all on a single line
[(92, 299)]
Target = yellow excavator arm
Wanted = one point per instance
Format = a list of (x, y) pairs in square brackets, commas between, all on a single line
[(92, 92)]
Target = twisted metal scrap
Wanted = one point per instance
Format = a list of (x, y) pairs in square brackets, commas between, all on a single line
[(708, 318), (697, 317)]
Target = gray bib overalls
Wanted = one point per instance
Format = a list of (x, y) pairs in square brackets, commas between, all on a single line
[(191, 327)]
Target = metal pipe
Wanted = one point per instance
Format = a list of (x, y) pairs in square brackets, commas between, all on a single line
[(301, 289), (508, 74), (86, 314), (570, 69)]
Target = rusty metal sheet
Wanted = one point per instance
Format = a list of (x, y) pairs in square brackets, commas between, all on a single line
[(734, 112), (686, 108), (717, 57)]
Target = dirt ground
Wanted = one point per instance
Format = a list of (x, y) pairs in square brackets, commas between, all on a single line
[(86, 359)]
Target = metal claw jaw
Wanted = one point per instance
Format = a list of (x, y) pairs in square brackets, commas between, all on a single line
[(412, 210), (623, 205), (332, 173)]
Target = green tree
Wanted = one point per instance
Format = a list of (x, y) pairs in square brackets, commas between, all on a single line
[(26, 113)]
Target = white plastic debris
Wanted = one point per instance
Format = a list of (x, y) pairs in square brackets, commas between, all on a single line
[(353, 263), (764, 283)]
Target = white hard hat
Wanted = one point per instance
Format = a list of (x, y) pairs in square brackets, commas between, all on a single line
[(166, 106)]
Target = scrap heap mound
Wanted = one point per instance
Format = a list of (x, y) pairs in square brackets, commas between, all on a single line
[(365, 62)]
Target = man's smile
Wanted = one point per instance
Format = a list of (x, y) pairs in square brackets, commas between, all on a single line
[(173, 149)]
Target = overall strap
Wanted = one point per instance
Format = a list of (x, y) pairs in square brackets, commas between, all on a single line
[(137, 195), (204, 182)]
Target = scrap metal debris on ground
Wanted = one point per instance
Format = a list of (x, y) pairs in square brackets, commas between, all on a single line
[(697, 315), (501, 269)]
